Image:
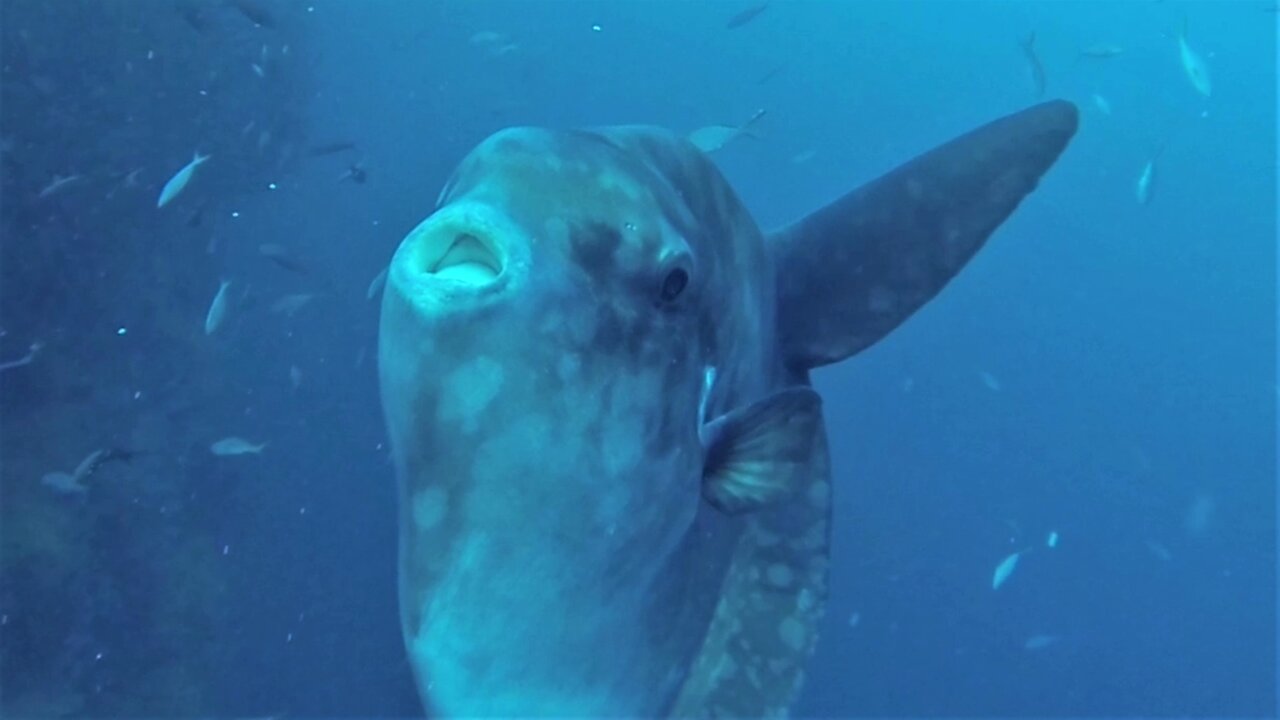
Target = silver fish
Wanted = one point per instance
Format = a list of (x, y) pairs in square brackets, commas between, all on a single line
[(217, 309), (236, 446), (179, 181)]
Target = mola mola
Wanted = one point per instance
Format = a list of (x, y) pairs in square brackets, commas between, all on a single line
[(613, 471)]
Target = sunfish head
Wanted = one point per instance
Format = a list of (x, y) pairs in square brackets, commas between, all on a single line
[(549, 341)]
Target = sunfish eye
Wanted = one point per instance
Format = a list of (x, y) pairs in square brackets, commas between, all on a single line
[(673, 284)]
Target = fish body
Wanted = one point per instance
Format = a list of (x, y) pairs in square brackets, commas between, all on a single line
[(236, 446), (217, 309), (990, 381), (65, 483), (277, 254), (594, 367), (331, 148), (290, 304), (1100, 52), (713, 137), (1101, 103), (1004, 570), (58, 184), (179, 181), (254, 12), (1147, 179), (1196, 68), (1040, 642), (746, 15)]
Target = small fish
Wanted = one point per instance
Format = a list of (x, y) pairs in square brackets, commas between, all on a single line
[(1004, 570), (746, 15), (257, 70), (378, 281), (254, 12), (1033, 65), (64, 483), (1040, 642), (486, 37), (1052, 540), (280, 256), (180, 180), (854, 619), (1159, 550), (58, 184), (89, 464), (803, 157), (1101, 103), (236, 446), (24, 360), (291, 304), (295, 377), (331, 148), (1147, 178), (356, 174), (1196, 68), (992, 383), (713, 137), (1100, 52), (217, 309)]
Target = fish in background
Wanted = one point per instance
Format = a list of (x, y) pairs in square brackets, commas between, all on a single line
[(178, 182), (1147, 178), (713, 137), (217, 309), (1099, 52), (1195, 66), (233, 445), (355, 173), (1033, 64), (254, 12), (746, 15), (277, 254), (331, 148)]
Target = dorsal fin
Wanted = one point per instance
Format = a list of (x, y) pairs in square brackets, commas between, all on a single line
[(853, 271)]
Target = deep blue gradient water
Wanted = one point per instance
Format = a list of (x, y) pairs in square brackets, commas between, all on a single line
[(1103, 369)]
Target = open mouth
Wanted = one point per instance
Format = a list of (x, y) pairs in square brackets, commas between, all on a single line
[(467, 259), (462, 254)]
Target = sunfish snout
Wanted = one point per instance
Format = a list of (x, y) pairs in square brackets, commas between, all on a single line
[(462, 248)]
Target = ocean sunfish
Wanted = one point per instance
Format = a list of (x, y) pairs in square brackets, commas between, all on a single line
[(613, 472)]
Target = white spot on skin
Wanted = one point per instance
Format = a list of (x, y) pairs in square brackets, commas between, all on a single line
[(779, 575), (468, 391), (792, 633), (820, 495), (429, 507)]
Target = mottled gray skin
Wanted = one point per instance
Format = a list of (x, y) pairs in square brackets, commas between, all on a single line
[(557, 557)]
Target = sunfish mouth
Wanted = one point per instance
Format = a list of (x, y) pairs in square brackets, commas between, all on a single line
[(462, 245), (469, 260)]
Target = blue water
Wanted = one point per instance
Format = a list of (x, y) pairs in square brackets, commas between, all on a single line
[(1102, 369)]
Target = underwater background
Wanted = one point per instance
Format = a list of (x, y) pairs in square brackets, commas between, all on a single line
[(1103, 371)]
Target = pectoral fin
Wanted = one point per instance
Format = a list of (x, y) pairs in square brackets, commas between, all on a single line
[(759, 455)]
